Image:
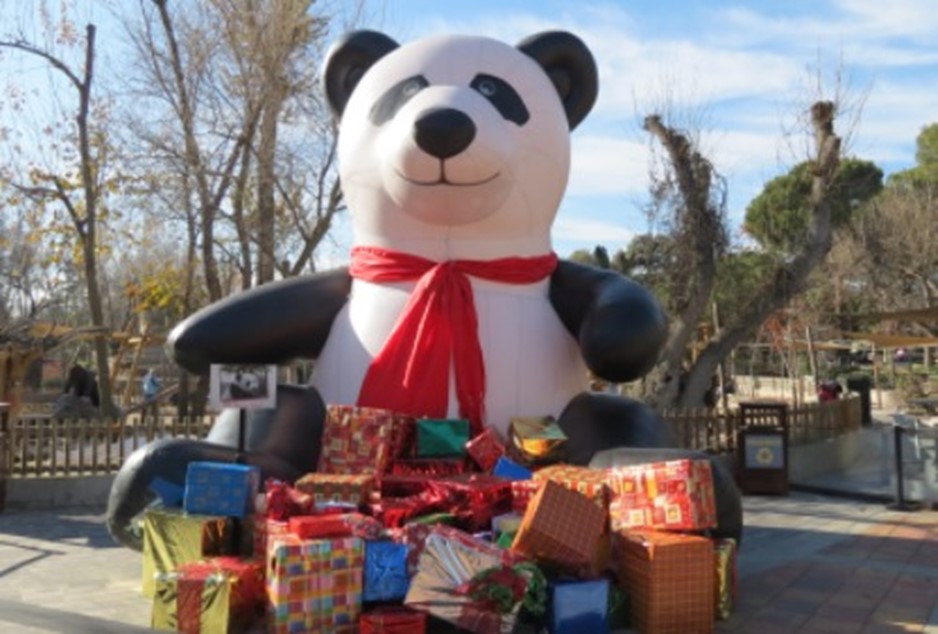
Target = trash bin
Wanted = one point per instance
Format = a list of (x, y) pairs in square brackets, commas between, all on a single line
[(863, 386)]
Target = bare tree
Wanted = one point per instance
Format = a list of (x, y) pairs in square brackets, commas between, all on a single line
[(698, 194), (81, 200)]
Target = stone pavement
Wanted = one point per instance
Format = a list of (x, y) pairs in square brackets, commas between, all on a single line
[(808, 564)]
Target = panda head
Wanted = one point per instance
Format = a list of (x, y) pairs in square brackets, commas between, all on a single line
[(457, 138)]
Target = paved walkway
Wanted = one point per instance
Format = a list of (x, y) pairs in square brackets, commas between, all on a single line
[(808, 564)]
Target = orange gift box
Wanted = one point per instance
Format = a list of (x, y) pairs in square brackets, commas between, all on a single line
[(563, 528), (673, 495), (593, 483), (670, 579), (522, 492)]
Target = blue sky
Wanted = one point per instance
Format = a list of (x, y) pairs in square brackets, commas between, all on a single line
[(745, 69)]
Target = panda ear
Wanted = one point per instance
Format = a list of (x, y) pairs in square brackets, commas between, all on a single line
[(571, 68), (347, 61)]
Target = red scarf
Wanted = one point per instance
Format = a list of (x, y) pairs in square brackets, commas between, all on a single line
[(410, 374)]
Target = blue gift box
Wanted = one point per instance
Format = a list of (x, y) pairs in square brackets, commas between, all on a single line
[(579, 606), (220, 488), (511, 470), (385, 577)]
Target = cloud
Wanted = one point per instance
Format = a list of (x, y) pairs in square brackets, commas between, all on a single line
[(571, 232), (608, 165)]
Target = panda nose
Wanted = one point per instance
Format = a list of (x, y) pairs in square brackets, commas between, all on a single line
[(444, 132)]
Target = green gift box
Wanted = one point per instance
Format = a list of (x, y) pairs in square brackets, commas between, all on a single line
[(439, 437)]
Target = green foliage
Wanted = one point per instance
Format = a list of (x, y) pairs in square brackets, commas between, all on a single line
[(741, 276), (601, 256), (778, 218), (926, 154), (583, 256)]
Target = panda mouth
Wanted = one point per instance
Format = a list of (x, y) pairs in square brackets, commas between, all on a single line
[(443, 180)]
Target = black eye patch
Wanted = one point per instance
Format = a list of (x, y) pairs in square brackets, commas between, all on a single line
[(503, 97), (395, 97)]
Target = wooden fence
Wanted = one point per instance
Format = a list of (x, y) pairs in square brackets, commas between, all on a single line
[(47, 447), (44, 447)]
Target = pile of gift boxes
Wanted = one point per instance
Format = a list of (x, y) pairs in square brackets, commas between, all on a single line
[(412, 521)]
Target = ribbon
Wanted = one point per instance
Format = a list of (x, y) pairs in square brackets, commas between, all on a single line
[(502, 588), (437, 331)]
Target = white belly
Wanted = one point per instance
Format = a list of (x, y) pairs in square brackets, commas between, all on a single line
[(532, 364)]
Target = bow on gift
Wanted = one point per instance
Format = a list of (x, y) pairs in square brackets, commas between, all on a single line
[(283, 501), (502, 588)]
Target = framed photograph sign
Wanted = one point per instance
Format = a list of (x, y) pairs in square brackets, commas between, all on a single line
[(243, 386)]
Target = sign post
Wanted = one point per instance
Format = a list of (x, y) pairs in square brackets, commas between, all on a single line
[(762, 448)]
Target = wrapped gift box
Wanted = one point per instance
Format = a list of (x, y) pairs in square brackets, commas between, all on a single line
[(590, 482), (314, 585), (221, 594), (361, 440), (429, 467), (335, 525), (562, 528), (219, 488), (282, 501), (474, 498), (442, 437), (511, 470), (535, 441), (393, 620), (578, 606), (673, 495), (264, 530), (522, 492), (172, 537), (486, 448), (725, 553), (448, 565), (335, 487), (670, 579), (385, 571)]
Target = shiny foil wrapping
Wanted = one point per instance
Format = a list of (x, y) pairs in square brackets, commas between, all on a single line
[(172, 537), (393, 620), (215, 595), (447, 565), (535, 441), (725, 554), (485, 449)]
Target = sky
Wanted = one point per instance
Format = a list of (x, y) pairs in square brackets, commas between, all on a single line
[(742, 73)]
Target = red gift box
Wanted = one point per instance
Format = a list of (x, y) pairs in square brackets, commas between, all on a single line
[(393, 621), (361, 440), (522, 492), (245, 599), (343, 525), (486, 448), (266, 528), (673, 495), (337, 488), (429, 467), (474, 498)]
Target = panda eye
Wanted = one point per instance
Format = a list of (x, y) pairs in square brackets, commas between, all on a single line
[(501, 95), (395, 97), (412, 87)]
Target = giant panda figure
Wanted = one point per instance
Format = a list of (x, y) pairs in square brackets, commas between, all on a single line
[(454, 154)]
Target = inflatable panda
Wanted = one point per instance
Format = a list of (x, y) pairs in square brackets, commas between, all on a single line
[(454, 154)]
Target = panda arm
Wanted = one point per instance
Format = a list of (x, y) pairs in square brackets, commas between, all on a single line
[(618, 324), (272, 323)]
